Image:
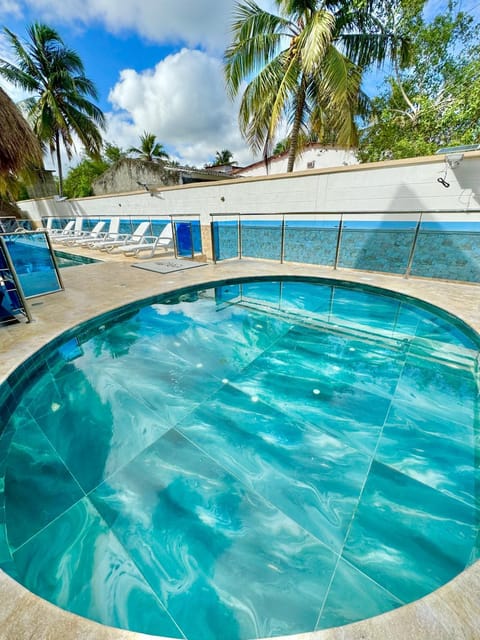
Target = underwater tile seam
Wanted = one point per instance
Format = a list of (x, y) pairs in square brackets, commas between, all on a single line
[(452, 612)]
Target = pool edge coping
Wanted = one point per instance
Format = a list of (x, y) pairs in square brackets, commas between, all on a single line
[(452, 611)]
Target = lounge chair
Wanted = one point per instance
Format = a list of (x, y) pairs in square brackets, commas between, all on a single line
[(126, 238), (76, 232), (107, 237), (147, 243), (165, 239), (67, 229), (87, 236)]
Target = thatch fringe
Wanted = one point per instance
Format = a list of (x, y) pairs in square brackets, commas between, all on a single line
[(19, 147)]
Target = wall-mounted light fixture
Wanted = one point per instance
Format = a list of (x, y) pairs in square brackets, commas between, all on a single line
[(454, 159), (157, 194)]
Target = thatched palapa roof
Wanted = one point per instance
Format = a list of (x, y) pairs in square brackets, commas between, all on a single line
[(18, 145)]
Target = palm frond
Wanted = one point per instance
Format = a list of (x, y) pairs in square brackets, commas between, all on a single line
[(338, 91), (314, 40), (257, 38), (265, 99)]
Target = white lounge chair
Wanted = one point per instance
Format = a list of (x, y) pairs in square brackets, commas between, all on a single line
[(105, 237), (72, 234), (66, 230), (147, 243), (87, 236), (126, 238), (165, 239)]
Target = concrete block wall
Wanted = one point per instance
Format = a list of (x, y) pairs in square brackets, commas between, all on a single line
[(393, 186)]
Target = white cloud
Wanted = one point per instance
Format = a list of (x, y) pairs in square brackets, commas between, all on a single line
[(194, 23), (184, 102), (10, 8), (191, 22), (183, 99)]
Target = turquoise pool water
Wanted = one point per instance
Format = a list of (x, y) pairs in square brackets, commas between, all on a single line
[(249, 460), (65, 259)]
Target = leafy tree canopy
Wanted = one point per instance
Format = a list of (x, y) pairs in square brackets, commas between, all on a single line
[(304, 66), (78, 183), (80, 179), (222, 157), (435, 100), (149, 148), (55, 78), (112, 153)]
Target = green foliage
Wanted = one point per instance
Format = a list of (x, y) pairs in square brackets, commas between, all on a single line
[(304, 67), (149, 148), (223, 157), (78, 183), (60, 105), (22, 193), (112, 153), (435, 100), (281, 146)]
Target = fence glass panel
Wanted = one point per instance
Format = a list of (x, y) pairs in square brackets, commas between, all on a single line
[(261, 237), (158, 225), (225, 238), (33, 262), (10, 224), (12, 304), (377, 242), (448, 247), (311, 239)]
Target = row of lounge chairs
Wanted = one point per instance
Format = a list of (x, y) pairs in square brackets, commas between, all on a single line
[(130, 244)]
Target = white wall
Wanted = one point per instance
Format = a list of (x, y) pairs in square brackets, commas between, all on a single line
[(320, 158), (403, 185)]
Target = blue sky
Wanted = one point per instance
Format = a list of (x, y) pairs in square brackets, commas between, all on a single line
[(157, 65)]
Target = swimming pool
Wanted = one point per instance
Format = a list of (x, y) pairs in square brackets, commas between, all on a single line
[(65, 259), (303, 548)]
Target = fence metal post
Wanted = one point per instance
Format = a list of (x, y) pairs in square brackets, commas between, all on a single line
[(414, 245), (282, 245), (239, 237), (212, 239), (52, 253), (174, 234), (339, 240), (16, 281)]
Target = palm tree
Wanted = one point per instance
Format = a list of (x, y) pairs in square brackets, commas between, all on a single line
[(223, 157), (60, 105), (307, 65), (149, 149)]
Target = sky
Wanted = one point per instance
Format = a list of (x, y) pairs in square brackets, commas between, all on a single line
[(157, 65)]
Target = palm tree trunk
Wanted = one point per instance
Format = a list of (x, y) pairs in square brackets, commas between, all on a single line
[(292, 150), (59, 164)]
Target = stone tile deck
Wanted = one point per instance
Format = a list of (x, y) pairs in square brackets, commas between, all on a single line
[(452, 612)]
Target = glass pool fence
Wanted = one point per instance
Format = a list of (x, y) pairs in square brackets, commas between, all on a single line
[(27, 269), (186, 229), (434, 244)]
